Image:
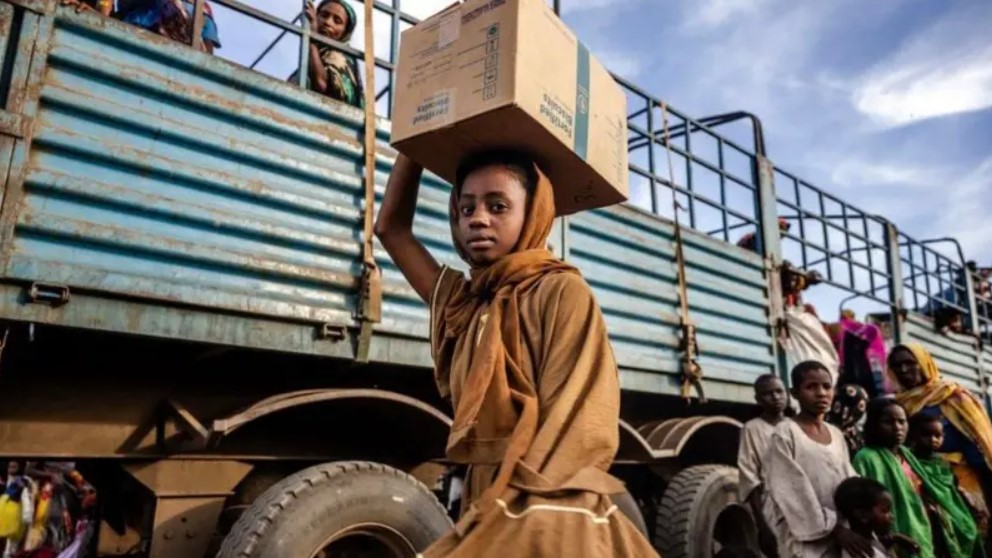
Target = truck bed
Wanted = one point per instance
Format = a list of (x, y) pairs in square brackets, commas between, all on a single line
[(180, 196)]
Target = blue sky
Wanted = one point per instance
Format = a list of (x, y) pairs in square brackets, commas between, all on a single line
[(887, 105)]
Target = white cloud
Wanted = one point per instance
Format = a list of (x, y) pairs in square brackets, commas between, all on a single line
[(947, 69), (856, 172), (714, 13)]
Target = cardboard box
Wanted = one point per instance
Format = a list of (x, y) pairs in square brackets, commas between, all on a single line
[(508, 74)]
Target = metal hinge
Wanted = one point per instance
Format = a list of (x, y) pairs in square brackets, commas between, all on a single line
[(56, 295)]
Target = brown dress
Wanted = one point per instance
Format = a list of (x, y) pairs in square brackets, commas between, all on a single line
[(522, 351)]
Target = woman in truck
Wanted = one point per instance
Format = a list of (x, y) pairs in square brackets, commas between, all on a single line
[(967, 429), (333, 72), (520, 347)]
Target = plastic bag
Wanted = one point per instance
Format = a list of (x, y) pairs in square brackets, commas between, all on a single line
[(11, 518)]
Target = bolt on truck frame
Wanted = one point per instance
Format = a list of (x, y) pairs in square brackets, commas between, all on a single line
[(182, 284)]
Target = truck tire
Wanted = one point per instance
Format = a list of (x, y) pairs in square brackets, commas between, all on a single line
[(338, 510), (627, 505), (700, 513)]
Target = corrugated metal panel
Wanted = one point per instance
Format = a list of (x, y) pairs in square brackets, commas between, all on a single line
[(956, 355), (169, 182), (627, 256)]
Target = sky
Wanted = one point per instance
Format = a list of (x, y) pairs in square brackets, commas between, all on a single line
[(885, 105)]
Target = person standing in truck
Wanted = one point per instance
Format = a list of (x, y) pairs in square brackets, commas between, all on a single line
[(806, 461), (333, 72), (772, 399), (520, 348)]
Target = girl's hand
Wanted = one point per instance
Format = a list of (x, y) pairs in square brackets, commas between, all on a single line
[(904, 543), (855, 545), (311, 15)]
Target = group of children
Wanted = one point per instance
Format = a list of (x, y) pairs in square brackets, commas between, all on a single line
[(896, 497)]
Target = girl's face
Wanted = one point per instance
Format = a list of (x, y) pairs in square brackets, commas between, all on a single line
[(815, 393), (333, 19), (929, 438), (492, 207), (892, 426), (906, 368)]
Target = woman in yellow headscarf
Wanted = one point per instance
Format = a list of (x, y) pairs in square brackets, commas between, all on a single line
[(521, 349), (967, 444)]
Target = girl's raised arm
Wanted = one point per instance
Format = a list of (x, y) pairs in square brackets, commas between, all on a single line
[(394, 227)]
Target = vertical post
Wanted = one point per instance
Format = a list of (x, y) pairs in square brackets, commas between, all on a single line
[(303, 68), (557, 7), (771, 251), (394, 54), (197, 39), (894, 267), (652, 138)]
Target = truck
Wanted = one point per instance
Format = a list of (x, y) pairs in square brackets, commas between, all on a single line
[(188, 314)]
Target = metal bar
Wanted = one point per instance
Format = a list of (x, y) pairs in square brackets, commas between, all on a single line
[(303, 65), (394, 53), (803, 242), (806, 214), (557, 7), (198, 15), (802, 221), (847, 249), (688, 180), (709, 166), (651, 162), (679, 189), (272, 45), (723, 191), (826, 237), (290, 28), (926, 276)]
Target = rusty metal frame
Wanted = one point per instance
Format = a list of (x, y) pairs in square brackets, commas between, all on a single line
[(671, 436), (226, 426), (189, 497), (31, 56)]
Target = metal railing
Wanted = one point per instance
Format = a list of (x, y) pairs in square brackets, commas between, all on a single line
[(716, 183), (846, 245)]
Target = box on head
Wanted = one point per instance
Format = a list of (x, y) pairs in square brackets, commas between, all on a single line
[(508, 74)]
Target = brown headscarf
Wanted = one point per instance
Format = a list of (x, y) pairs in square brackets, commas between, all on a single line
[(522, 349)]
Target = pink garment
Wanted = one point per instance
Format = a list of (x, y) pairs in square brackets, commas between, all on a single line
[(876, 352)]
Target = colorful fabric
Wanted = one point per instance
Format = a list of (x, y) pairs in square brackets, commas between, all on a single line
[(521, 348), (862, 355), (960, 533), (959, 406), (970, 485), (944, 488), (172, 18), (908, 513), (850, 403)]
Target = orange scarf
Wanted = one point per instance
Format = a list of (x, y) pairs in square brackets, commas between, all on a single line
[(959, 406), (497, 382)]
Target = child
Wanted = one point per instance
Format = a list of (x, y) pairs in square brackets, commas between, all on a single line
[(806, 461), (886, 460), (926, 435), (332, 72), (769, 393), (521, 349), (867, 508)]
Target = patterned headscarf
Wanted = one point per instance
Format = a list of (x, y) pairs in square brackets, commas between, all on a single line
[(958, 405)]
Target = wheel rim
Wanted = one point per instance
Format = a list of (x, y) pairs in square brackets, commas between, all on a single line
[(366, 540)]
